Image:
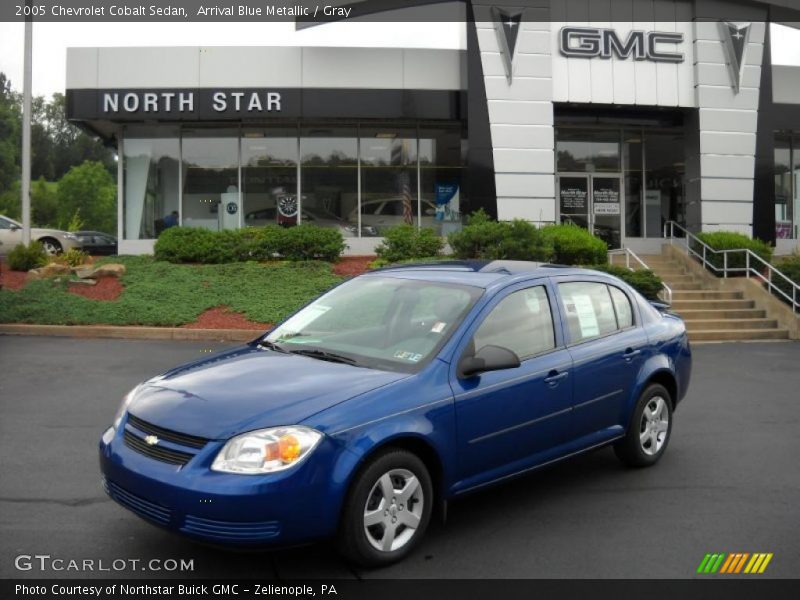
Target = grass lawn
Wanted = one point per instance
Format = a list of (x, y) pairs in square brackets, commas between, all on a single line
[(165, 294)]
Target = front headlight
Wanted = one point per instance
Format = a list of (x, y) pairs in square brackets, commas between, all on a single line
[(124, 406), (70, 236), (266, 450)]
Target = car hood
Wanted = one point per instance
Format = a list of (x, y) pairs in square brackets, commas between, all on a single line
[(248, 388)]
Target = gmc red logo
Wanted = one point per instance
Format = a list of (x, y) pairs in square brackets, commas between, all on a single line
[(591, 42)]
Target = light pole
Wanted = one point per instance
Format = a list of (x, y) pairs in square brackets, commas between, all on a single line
[(26, 128)]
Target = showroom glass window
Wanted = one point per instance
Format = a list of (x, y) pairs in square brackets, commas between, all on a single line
[(329, 179), (269, 174), (442, 156), (389, 186), (787, 187), (151, 172), (579, 150), (664, 193), (633, 172), (211, 179)]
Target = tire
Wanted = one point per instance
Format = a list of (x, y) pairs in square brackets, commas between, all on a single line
[(650, 429), (51, 246), (399, 514)]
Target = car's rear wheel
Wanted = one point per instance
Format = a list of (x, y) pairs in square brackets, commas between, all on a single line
[(650, 429), (388, 509), (51, 246)]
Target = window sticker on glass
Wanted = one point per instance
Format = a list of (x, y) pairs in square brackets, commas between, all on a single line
[(304, 318), (586, 315), (409, 356), (438, 327)]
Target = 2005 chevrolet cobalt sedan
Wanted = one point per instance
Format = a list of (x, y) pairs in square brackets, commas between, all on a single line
[(366, 411)]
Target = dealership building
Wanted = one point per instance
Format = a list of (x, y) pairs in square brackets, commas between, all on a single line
[(616, 115)]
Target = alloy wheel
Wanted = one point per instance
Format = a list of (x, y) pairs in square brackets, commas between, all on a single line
[(393, 510), (654, 427)]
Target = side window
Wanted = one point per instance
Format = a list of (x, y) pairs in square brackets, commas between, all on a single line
[(623, 307), (5, 224), (521, 322), (588, 308)]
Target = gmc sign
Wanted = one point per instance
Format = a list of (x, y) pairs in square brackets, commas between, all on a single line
[(591, 42)]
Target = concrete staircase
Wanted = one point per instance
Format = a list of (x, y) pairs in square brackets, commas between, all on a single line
[(711, 315)]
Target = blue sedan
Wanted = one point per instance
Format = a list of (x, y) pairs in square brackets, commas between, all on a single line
[(365, 412)]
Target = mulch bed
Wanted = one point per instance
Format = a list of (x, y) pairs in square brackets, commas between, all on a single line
[(11, 280), (106, 289), (221, 317), (352, 265)]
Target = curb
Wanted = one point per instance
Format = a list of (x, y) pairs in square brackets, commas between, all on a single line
[(130, 333)]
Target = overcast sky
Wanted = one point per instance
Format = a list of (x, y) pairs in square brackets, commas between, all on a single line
[(51, 40)]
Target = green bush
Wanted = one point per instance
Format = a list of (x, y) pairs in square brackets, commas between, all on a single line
[(647, 283), (483, 238), (574, 245), (730, 240), (405, 242), (789, 266), (72, 257), (197, 245), (312, 242), (194, 245), (25, 258)]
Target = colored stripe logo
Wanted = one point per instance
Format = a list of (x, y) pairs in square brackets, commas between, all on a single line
[(735, 563)]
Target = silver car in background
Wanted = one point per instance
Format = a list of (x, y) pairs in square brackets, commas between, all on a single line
[(53, 240)]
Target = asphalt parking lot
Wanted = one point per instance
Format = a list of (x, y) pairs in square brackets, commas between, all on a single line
[(730, 481)]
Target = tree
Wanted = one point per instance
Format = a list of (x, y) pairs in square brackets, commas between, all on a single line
[(90, 188), (9, 135)]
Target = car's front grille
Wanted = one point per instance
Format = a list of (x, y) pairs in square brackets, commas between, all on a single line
[(182, 439), (156, 452), (231, 530), (143, 508)]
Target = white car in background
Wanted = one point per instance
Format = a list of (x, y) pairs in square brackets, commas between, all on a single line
[(53, 240)]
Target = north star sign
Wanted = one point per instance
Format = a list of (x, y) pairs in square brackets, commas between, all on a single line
[(169, 102), (594, 42)]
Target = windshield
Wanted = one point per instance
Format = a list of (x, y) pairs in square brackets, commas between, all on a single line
[(379, 322)]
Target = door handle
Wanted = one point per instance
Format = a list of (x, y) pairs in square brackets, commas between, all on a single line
[(553, 377), (630, 353)]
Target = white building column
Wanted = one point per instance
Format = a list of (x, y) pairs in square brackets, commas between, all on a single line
[(721, 167), (521, 112)]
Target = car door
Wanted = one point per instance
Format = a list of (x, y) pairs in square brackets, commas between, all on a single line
[(608, 347), (506, 417), (10, 235)]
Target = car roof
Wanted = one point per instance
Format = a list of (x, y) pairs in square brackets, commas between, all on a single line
[(480, 273)]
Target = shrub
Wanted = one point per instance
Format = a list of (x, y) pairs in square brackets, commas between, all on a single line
[(196, 245), (484, 238), (72, 257), (730, 240), (574, 245), (405, 242), (25, 258), (790, 267), (647, 283), (311, 242)]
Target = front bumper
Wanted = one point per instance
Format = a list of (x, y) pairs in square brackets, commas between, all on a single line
[(288, 507)]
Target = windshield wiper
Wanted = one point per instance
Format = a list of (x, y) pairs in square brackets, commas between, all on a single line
[(324, 355), (272, 346)]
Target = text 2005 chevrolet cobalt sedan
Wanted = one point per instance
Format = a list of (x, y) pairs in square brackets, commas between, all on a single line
[(367, 410)]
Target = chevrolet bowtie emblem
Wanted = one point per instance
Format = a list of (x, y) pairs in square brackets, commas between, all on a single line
[(151, 440)]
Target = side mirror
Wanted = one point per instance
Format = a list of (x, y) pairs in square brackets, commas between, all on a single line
[(488, 358)]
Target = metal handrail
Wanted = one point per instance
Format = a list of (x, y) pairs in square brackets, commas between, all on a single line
[(748, 269), (631, 254)]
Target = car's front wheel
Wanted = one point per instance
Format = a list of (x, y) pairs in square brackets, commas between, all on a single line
[(650, 429), (387, 510), (51, 246)]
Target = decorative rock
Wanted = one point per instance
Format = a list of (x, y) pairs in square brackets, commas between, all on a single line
[(47, 271), (85, 281), (113, 269), (83, 271)]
